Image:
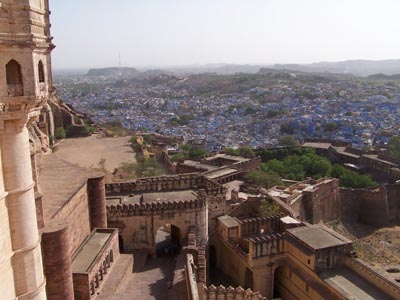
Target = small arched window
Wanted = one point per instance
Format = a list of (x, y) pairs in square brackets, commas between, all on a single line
[(14, 78), (13, 72), (41, 71)]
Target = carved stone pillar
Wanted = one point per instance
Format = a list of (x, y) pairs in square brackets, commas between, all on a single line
[(27, 259)]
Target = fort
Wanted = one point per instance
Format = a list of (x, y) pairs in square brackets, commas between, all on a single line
[(66, 234)]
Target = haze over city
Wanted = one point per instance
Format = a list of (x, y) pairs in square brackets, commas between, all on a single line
[(173, 33)]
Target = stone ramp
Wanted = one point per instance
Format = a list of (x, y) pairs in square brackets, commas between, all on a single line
[(351, 285), (117, 275), (149, 284)]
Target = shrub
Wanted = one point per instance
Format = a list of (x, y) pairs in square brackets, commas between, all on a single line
[(60, 133)]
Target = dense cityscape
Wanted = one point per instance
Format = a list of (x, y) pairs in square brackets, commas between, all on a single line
[(241, 109)]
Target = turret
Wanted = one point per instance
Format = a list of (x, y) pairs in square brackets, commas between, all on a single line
[(25, 82)]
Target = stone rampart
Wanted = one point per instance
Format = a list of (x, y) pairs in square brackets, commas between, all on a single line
[(249, 165), (152, 208), (393, 198), (165, 183), (369, 206), (168, 163)]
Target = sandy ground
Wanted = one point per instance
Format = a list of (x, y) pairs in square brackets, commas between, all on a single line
[(87, 152)]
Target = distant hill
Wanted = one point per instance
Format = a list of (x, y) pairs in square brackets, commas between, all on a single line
[(226, 69), (125, 72), (381, 76), (355, 67)]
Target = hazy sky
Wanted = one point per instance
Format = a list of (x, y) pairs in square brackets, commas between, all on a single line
[(92, 33)]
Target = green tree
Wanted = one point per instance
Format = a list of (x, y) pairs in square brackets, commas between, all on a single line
[(330, 127), (268, 208), (263, 179), (274, 165), (287, 128), (246, 151), (394, 146), (193, 153), (231, 151), (178, 156), (287, 141), (185, 147)]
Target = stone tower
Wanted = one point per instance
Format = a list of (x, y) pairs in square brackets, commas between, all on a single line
[(25, 68)]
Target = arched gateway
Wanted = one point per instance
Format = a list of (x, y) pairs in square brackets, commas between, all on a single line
[(140, 208)]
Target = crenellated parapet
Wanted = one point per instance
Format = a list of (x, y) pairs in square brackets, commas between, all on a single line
[(265, 244), (152, 208), (252, 226), (152, 184), (213, 293), (166, 183)]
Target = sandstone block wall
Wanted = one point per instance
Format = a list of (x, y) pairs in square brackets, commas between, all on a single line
[(369, 206), (75, 213), (323, 203), (393, 198)]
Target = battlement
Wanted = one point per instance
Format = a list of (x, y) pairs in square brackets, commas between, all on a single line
[(212, 292), (120, 210), (252, 226), (265, 244), (165, 183)]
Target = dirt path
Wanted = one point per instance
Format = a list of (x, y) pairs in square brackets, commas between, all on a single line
[(89, 151)]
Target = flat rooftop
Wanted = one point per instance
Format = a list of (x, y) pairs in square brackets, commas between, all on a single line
[(351, 285), (220, 172), (188, 195), (228, 221), (197, 164), (89, 251), (319, 237), (59, 181)]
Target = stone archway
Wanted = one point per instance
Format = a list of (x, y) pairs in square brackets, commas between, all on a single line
[(277, 286), (167, 240), (248, 279), (121, 243)]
